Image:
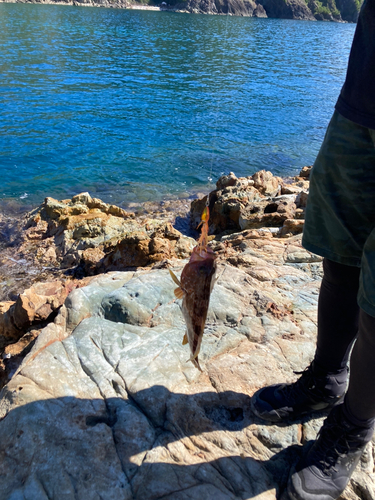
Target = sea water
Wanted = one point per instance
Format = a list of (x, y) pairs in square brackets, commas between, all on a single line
[(142, 105)]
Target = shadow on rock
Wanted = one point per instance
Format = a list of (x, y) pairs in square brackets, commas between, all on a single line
[(71, 448)]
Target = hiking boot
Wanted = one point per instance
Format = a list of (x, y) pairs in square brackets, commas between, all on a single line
[(324, 473), (313, 391)]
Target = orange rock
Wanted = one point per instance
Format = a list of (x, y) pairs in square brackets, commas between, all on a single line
[(38, 302), (292, 226)]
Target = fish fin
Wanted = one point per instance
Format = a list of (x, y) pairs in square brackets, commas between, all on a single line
[(174, 277), (179, 293), (197, 364), (185, 340)]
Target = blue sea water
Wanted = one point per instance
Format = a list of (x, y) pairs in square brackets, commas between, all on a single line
[(140, 105)]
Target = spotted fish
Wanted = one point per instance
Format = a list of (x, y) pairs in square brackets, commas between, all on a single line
[(194, 288)]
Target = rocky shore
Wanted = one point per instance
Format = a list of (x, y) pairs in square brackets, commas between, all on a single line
[(98, 400), (324, 10)]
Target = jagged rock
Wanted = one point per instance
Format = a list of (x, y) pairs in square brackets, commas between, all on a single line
[(305, 172), (35, 305), (38, 303), (98, 237), (349, 10), (233, 7), (301, 199), (341, 10), (73, 225), (8, 329), (252, 202), (266, 183), (226, 181), (91, 259)]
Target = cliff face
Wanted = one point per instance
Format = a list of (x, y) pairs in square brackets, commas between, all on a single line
[(349, 9), (287, 9), (234, 7)]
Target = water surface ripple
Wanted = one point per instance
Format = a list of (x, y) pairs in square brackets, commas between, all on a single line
[(137, 105)]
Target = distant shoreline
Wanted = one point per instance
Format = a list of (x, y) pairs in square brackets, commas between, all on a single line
[(277, 9), (118, 4)]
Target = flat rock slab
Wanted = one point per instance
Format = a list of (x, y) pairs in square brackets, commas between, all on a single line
[(106, 406)]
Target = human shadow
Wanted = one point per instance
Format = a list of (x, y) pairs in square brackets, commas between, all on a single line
[(148, 445)]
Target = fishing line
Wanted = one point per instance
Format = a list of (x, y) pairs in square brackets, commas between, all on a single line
[(215, 136)]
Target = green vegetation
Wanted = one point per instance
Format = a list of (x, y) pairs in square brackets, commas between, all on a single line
[(324, 9), (346, 10), (327, 9)]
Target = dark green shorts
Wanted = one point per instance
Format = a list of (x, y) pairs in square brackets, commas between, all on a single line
[(340, 213)]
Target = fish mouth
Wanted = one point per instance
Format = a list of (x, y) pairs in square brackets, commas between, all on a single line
[(199, 254)]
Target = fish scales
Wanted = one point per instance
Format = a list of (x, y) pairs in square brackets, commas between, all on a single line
[(197, 280), (195, 287)]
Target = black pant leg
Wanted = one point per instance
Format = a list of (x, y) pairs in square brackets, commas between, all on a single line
[(338, 314)]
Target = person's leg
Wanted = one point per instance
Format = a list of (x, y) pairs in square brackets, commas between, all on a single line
[(360, 398), (338, 313), (325, 471), (328, 466), (359, 404)]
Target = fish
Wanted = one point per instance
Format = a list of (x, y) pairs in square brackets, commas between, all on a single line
[(194, 288)]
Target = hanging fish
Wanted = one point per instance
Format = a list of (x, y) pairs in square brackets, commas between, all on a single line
[(197, 280)]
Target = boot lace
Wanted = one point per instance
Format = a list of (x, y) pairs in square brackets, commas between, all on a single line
[(332, 444), (301, 389)]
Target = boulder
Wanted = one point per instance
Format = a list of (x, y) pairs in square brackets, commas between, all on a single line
[(266, 183), (8, 329), (38, 303), (246, 203), (305, 172), (35, 305)]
